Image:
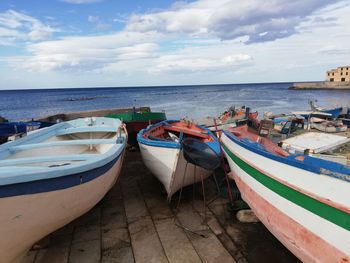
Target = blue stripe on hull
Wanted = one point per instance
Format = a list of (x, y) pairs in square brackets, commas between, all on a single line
[(58, 183)]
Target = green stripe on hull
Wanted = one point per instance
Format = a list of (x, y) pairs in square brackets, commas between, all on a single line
[(138, 116), (323, 210)]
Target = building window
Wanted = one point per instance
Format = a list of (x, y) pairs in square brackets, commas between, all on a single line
[(341, 73), (333, 74), (342, 79), (347, 73), (331, 79)]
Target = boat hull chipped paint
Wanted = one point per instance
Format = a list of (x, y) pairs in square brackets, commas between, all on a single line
[(33, 208), (307, 211), (165, 159)]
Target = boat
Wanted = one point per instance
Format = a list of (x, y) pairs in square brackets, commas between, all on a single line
[(162, 152), (54, 175), (334, 112), (137, 120), (230, 118), (329, 126), (16, 130), (8, 129), (302, 200)]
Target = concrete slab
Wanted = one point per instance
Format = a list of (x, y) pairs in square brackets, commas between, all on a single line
[(145, 242), (57, 252), (87, 252), (210, 248)]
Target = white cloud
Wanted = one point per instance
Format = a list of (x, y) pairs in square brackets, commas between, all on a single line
[(98, 23), (195, 63), (229, 19), (16, 26), (88, 53), (81, 1)]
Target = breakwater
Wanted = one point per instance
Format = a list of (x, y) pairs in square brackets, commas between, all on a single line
[(320, 85)]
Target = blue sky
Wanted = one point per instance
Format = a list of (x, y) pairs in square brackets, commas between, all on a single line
[(92, 43)]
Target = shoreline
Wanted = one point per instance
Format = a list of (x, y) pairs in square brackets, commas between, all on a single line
[(320, 85)]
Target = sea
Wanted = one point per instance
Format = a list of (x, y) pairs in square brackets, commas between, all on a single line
[(192, 102)]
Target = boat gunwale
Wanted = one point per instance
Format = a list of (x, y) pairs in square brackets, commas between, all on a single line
[(292, 162), (167, 144), (56, 183)]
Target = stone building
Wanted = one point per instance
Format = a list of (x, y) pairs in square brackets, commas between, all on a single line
[(340, 74)]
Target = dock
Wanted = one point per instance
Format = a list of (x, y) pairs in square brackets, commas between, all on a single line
[(135, 223)]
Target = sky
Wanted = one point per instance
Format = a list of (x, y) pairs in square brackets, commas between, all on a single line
[(118, 43)]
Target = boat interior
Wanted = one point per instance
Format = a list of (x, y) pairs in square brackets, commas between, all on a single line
[(60, 146), (319, 165), (177, 131)]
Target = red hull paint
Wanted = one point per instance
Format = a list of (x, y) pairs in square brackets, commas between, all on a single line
[(307, 246)]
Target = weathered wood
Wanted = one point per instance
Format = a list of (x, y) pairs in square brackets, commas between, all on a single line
[(87, 252), (209, 248), (57, 252), (145, 242), (176, 244)]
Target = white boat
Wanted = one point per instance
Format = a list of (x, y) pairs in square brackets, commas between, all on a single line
[(330, 126), (54, 175), (303, 201), (162, 153)]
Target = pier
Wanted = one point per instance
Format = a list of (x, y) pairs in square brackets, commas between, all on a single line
[(135, 223)]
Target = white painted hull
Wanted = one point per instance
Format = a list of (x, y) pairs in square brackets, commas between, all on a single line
[(169, 166), (310, 237), (26, 219)]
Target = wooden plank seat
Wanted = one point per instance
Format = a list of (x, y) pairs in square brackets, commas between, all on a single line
[(44, 159), (68, 131), (60, 143)]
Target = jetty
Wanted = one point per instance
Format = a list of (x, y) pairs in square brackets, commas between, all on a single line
[(135, 223), (320, 85)]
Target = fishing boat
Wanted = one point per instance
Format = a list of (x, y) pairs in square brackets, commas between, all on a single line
[(334, 112), (303, 201), (17, 129), (54, 175), (137, 120), (162, 152), (329, 126), (230, 118), (8, 129)]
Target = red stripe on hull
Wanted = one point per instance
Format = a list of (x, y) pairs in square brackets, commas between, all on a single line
[(304, 244)]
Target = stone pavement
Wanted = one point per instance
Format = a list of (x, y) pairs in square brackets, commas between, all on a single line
[(135, 223)]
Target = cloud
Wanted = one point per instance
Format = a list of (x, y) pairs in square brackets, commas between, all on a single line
[(16, 26), (98, 23), (87, 53), (81, 1), (188, 64), (228, 19)]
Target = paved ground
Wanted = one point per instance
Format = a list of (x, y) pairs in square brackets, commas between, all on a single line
[(134, 223)]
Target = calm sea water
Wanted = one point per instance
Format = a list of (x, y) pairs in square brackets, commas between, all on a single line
[(177, 101)]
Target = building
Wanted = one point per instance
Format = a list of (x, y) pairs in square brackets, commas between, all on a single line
[(340, 74)]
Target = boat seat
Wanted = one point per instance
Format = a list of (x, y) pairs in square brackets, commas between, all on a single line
[(44, 159), (154, 138), (61, 143), (85, 129)]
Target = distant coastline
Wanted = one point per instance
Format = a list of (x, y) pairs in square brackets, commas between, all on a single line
[(320, 85)]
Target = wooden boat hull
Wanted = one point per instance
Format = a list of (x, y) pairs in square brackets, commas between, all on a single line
[(25, 219), (169, 166), (314, 225), (54, 175), (329, 129)]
